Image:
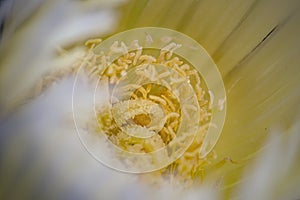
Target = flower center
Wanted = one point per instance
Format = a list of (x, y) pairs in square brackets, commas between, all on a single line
[(142, 119)]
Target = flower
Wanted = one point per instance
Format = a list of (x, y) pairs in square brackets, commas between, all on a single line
[(254, 44)]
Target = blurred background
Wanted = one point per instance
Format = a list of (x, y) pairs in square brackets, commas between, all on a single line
[(255, 44)]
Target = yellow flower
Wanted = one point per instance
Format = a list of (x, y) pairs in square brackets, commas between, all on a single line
[(255, 46)]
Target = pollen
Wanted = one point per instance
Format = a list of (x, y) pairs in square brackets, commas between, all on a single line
[(153, 110)]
